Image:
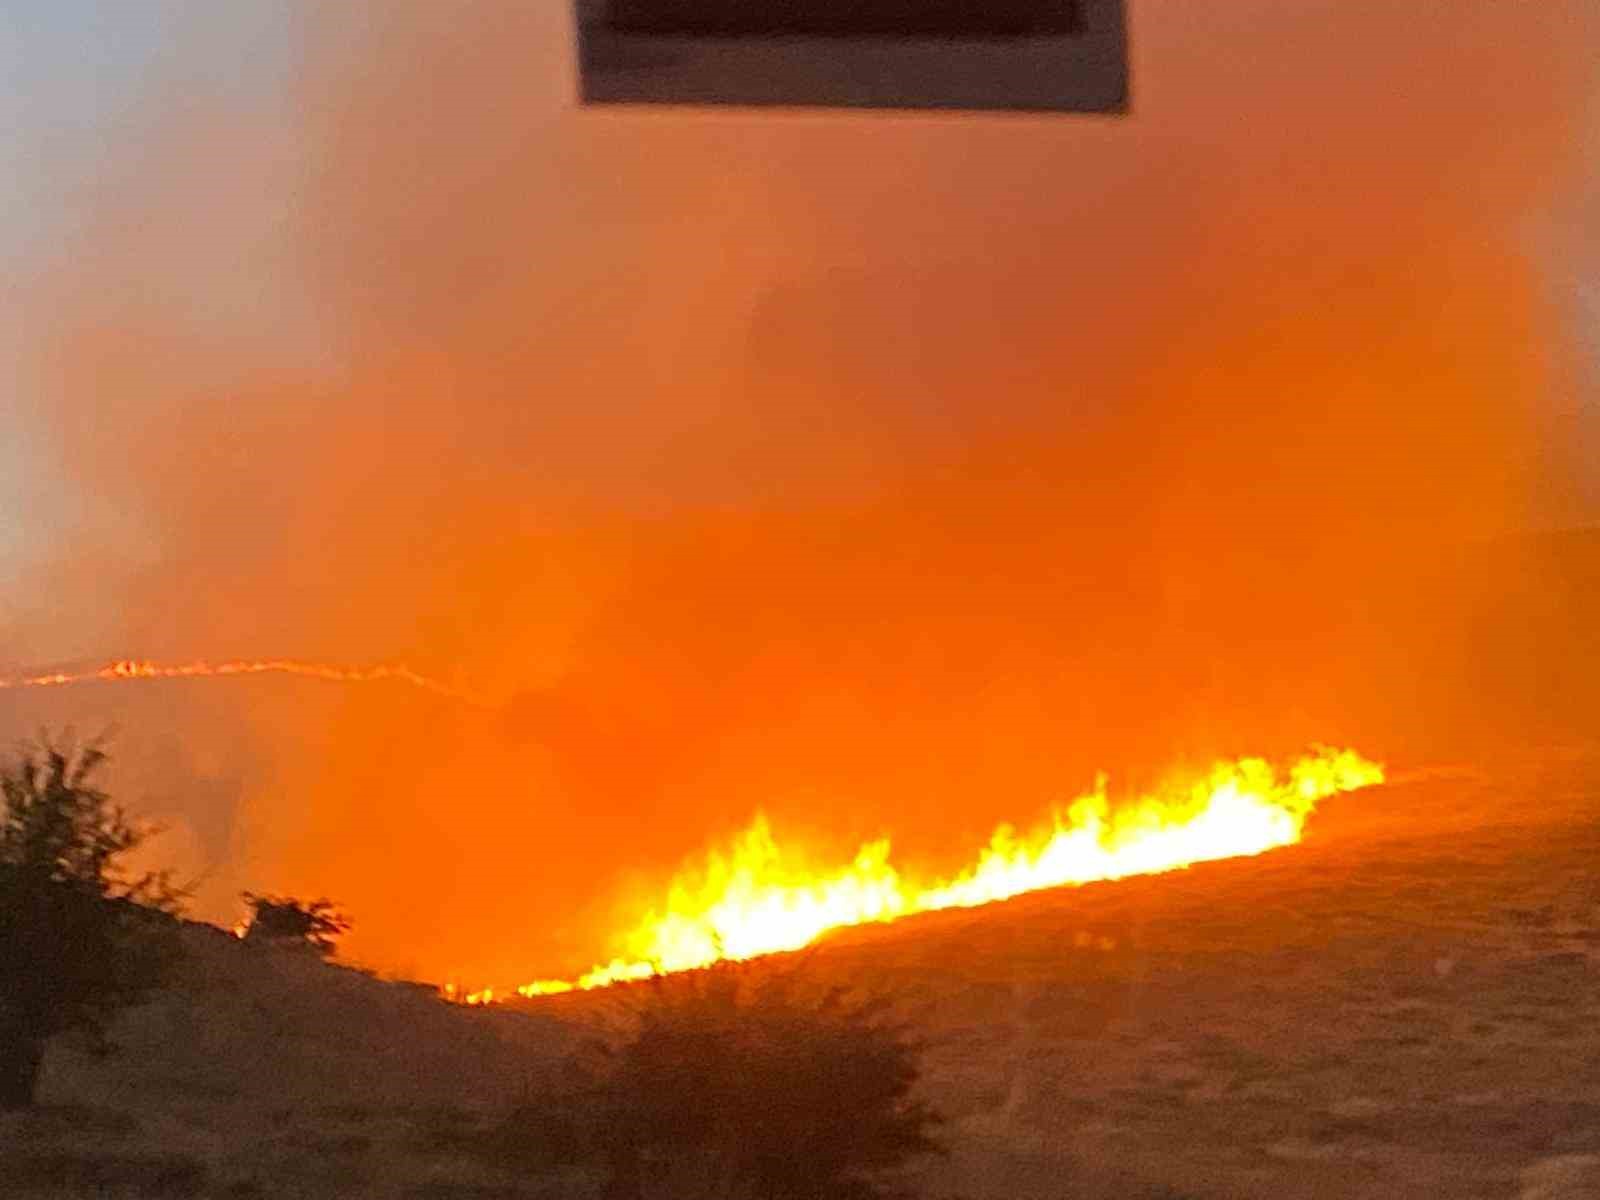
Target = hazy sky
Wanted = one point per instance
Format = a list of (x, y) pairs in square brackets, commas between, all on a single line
[(82, 85), (891, 473)]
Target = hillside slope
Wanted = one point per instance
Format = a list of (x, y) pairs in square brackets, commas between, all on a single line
[(270, 1073), (1404, 1005)]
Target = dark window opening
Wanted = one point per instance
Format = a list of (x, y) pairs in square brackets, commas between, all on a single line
[(847, 18)]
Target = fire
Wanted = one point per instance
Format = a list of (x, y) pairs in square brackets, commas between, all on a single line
[(130, 669), (755, 898)]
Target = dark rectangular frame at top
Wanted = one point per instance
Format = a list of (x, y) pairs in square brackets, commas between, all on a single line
[(1000, 55)]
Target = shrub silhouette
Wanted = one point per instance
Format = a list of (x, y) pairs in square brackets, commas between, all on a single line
[(283, 919), (78, 940), (739, 1080)]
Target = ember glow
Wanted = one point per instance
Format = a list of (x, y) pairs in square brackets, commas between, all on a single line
[(125, 669), (758, 898)]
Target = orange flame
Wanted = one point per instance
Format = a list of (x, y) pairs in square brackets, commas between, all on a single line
[(756, 898), (128, 668)]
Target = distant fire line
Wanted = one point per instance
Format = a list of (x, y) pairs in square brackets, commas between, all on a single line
[(126, 669)]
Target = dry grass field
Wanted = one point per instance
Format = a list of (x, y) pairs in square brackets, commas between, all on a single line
[(1404, 1005)]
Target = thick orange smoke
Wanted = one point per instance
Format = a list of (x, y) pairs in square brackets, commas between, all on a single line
[(877, 472)]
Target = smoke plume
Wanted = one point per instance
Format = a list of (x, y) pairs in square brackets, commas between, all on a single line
[(889, 473)]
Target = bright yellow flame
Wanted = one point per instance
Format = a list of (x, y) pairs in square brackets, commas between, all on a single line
[(755, 899), (128, 669)]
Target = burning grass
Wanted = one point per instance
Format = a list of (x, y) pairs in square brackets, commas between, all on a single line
[(758, 897)]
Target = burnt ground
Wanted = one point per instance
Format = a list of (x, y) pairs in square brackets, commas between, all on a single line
[(1405, 1005)]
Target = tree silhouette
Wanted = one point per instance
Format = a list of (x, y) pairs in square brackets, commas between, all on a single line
[(79, 940), (283, 919), (741, 1080)]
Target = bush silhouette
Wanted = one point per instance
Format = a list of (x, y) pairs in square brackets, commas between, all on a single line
[(285, 920), (78, 940), (739, 1080)]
